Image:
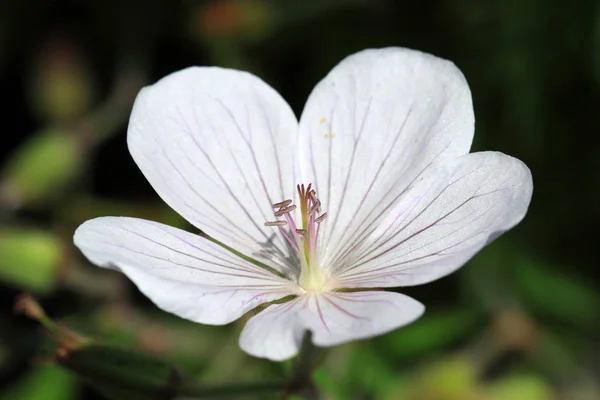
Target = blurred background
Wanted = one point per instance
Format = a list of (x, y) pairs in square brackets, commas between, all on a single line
[(519, 322)]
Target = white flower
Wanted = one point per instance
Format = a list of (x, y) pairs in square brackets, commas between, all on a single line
[(388, 196)]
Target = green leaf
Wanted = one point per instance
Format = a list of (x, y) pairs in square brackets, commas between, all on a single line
[(521, 387), (330, 386), (42, 168), (486, 279), (369, 371), (433, 331), (445, 379), (333, 378), (30, 259), (43, 383), (550, 292)]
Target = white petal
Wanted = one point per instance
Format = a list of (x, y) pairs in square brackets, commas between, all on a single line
[(180, 272), (333, 317), (371, 126), (455, 210), (218, 146)]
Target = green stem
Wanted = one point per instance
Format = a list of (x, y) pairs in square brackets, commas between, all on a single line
[(51, 326), (231, 391), (27, 305), (302, 382)]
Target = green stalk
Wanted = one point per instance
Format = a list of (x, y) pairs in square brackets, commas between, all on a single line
[(310, 356)]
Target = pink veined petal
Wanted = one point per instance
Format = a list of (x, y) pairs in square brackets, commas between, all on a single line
[(333, 317), (370, 127), (450, 214), (180, 272), (218, 146)]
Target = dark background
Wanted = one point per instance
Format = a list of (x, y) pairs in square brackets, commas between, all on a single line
[(520, 321)]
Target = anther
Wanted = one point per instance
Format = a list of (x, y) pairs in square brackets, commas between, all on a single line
[(284, 210), (321, 218), (315, 208), (282, 204), (275, 223), (301, 232)]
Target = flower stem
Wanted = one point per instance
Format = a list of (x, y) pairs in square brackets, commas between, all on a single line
[(309, 357), (26, 305)]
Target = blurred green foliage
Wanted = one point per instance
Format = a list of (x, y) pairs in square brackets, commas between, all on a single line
[(519, 322), (43, 383), (30, 259), (41, 169)]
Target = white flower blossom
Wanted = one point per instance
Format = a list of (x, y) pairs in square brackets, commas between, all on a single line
[(373, 188)]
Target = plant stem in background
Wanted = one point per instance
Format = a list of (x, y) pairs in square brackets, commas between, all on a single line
[(301, 382)]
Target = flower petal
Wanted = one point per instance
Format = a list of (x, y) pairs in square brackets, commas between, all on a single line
[(371, 126), (180, 272), (333, 317), (455, 210), (217, 145)]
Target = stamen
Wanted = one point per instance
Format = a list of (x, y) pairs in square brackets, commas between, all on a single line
[(275, 223), (315, 208), (303, 236), (312, 195), (282, 204), (321, 218), (290, 241), (284, 210)]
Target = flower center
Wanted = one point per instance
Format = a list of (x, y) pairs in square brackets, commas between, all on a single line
[(303, 238)]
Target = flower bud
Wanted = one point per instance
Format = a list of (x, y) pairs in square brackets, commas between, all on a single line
[(121, 373), (61, 87)]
